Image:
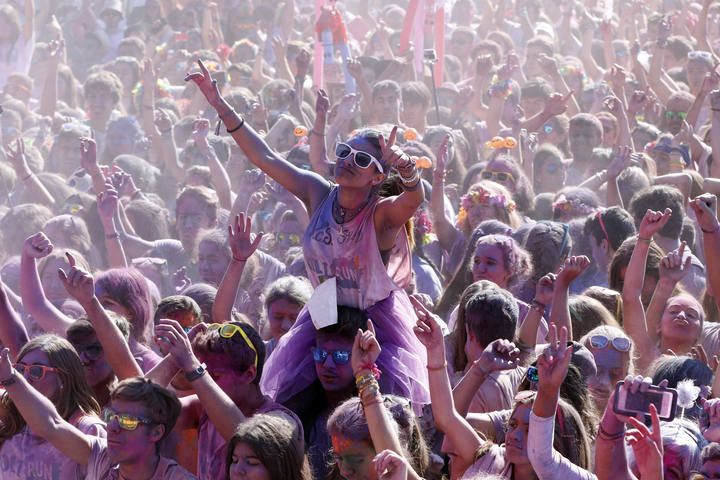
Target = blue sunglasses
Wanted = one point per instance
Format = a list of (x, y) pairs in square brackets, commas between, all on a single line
[(340, 357)]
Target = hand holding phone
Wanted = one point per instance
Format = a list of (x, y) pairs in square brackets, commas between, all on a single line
[(631, 401)]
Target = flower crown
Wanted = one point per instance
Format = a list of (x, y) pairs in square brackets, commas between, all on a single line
[(483, 197), (565, 204)]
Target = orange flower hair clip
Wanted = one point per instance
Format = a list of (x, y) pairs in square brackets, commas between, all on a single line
[(497, 143)]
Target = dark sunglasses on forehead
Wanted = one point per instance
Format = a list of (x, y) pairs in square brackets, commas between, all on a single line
[(360, 158)]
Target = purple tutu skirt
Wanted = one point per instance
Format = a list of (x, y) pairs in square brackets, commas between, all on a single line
[(290, 368)]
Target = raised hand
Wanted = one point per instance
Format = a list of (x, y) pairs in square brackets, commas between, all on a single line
[(242, 243), (322, 103), (638, 101), (78, 283), (647, 445), (107, 203), (148, 74), (653, 222), (613, 105), (557, 103), (621, 159), (354, 68), (163, 121), (428, 330), (6, 365), (441, 161), (549, 65), (302, 63), (673, 267), (37, 246), (392, 154), (618, 76), (391, 466), (181, 280), (545, 288), (553, 364), (18, 159), (170, 335), (88, 155), (710, 82), (710, 421), (705, 209), (573, 268), (347, 107), (366, 349), (499, 355), (204, 81)]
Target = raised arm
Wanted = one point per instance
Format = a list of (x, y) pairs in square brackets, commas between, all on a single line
[(48, 100), (318, 146), (242, 246), (220, 409), (633, 310), (673, 268), (30, 181), (41, 415), (445, 230), (12, 331), (33, 296), (559, 313), (705, 209), (498, 356), (457, 430), (107, 205), (308, 186), (365, 352), (552, 367), (81, 286), (393, 212)]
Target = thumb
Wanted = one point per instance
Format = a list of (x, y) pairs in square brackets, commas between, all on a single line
[(71, 259), (63, 276)]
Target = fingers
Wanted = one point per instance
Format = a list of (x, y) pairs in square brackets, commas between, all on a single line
[(70, 259), (393, 137)]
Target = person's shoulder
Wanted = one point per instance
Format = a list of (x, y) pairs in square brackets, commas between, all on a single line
[(99, 463), (169, 469)]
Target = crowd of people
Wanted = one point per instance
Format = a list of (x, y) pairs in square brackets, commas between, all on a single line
[(359, 239)]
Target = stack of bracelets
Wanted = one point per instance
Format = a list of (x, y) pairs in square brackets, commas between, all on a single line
[(367, 384)]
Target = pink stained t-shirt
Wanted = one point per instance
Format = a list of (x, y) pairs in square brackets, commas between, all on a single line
[(26, 456), (350, 253)]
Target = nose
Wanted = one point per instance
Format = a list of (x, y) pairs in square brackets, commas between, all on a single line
[(286, 324), (237, 469), (84, 358)]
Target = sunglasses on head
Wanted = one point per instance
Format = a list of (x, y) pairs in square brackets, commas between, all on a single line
[(228, 330), (340, 357), (34, 372), (498, 176), (548, 129), (293, 238), (621, 344), (360, 159), (126, 421)]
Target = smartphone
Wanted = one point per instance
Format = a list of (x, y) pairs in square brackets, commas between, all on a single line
[(630, 404)]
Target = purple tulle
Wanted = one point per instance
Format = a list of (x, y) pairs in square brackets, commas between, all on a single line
[(290, 368)]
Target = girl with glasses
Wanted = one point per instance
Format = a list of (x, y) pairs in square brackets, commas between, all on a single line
[(613, 352), (53, 370), (354, 236)]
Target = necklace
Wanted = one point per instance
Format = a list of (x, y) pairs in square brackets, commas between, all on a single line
[(342, 215)]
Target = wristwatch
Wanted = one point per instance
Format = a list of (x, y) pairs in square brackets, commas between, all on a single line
[(193, 375), (10, 380)]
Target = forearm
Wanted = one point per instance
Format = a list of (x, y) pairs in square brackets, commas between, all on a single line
[(37, 190), (528, 331), (318, 147), (711, 247), (220, 180), (164, 371), (613, 193), (12, 331), (170, 156), (610, 456), (594, 182), (113, 245), (378, 418), (465, 390), (546, 461), (445, 230), (536, 122), (559, 312), (227, 291), (694, 113), (48, 100), (44, 420), (117, 351), (36, 303), (220, 409)]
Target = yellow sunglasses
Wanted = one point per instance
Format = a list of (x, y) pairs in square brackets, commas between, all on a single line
[(228, 330)]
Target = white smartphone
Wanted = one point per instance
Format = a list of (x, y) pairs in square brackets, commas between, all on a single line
[(630, 404)]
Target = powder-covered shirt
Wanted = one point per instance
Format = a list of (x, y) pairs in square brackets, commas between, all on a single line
[(100, 467), (28, 457)]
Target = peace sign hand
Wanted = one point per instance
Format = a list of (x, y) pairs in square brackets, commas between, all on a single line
[(392, 154), (206, 84), (554, 363), (18, 159)]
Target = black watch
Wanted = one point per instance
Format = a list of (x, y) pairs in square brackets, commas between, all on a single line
[(193, 375)]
